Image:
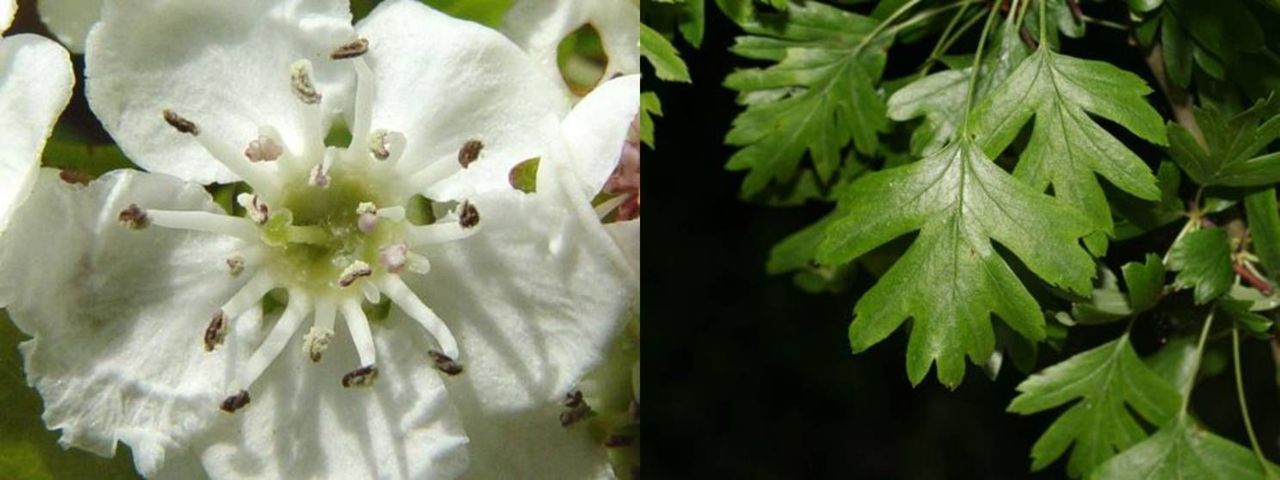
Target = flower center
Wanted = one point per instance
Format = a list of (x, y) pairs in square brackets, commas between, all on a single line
[(328, 226)]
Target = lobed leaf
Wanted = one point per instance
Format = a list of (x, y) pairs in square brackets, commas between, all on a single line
[(1183, 450), (1203, 261)]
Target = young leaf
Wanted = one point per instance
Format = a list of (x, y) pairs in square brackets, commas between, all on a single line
[(662, 55), (1104, 380), (951, 278), (1144, 281), (1264, 225), (1233, 142), (650, 106), (1203, 260), (1067, 148), (1238, 311), (1183, 450), (821, 93)]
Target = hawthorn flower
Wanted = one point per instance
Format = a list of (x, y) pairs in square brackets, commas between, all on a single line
[(539, 26), (35, 85), (211, 342), (69, 20)]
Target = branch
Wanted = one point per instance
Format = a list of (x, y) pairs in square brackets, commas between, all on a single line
[(1179, 99)]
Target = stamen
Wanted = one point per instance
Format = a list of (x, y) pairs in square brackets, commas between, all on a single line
[(394, 214), (435, 172), (179, 123), (365, 85), (257, 210), (261, 181), (216, 332), (264, 149), (576, 409), (468, 216), (320, 173), (355, 271), (394, 257), (298, 308), (469, 152), (360, 377), (603, 209), (235, 402), (235, 265), (303, 88), (444, 364), (411, 305), (354, 49), (249, 295), (202, 221), (133, 218), (358, 324), (366, 217), (437, 233), (370, 292), (316, 341)]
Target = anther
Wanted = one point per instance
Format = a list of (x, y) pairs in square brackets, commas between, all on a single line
[(264, 149), (468, 216), (572, 399), (351, 50), (180, 124), (378, 145), (469, 152), (366, 217), (394, 257), (618, 440), (255, 208), (316, 341), (235, 402), (575, 414), (216, 332), (319, 177), (353, 272), (133, 217), (303, 88), (360, 377), (235, 265), (444, 364)]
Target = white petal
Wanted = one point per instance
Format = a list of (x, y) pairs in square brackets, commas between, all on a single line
[(70, 20), (444, 81), (223, 65), (301, 422), (529, 443), (533, 299), (7, 9), (35, 85), (540, 25), (627, 236), (117, 315), (597, 128)]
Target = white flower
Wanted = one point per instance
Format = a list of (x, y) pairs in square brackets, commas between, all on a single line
[(157, 336), (70, 20), (35, 85), (539, 26)]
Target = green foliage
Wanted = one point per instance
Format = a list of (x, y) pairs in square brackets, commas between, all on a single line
[(1067, 148), (1203, 261), (952, 278), (819, 96), (1183, 450), (1105, 380), (1233, 144), (666, 62)]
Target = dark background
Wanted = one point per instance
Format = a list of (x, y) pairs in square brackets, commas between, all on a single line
[(747, 376)]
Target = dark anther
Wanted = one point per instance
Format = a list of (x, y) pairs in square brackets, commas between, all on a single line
[(351, 50), (469, 216), (216, 332), (469, 152), (133, 217), (75, 177), (360, 377), (616, 440), (1026, 38), (444, 363), (235, 402), (180, 124), (351, 277), (572, 399), (575, 414)]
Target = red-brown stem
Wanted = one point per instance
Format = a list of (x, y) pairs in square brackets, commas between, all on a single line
[(1261, 285)]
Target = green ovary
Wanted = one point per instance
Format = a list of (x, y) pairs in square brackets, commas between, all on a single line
[(316, 235)]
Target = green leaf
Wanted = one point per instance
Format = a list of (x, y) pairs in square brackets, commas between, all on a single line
[(952, 278), (1264, 225), (488, 12), (1177, 49), (1232, 143), (1139, 216), (1176, 362), (693, 21), (1067, 148), (818, 97), (1238, 311), (1183, 450), (88, 159), (940, 97), (650, 106), (1203, 260), (1144, 281), (662, 55), (1104, 380)]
